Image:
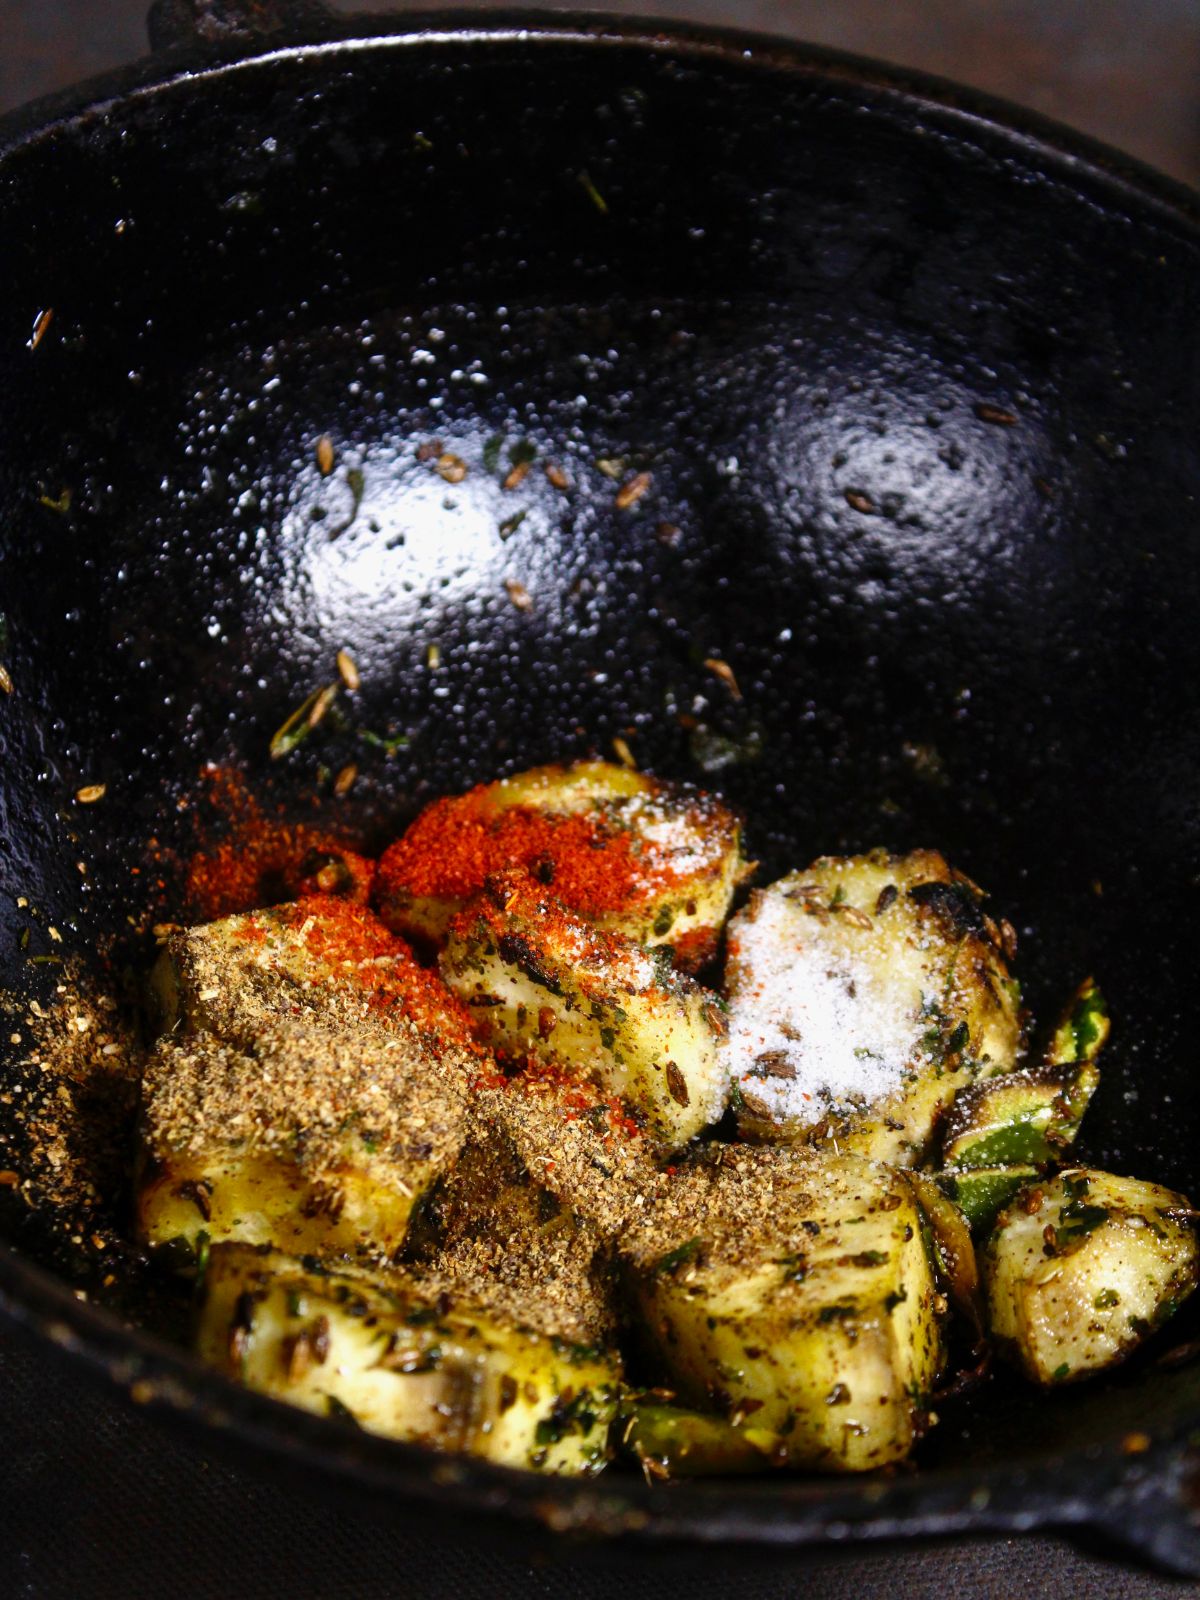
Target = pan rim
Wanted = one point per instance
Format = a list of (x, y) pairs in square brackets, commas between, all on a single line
[(1076, 154)]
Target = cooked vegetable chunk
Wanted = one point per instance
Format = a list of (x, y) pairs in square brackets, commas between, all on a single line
[(864, 992), (672, 1442), (398, 1360), (541, 982), (1020, 1119), (794, 1288), (653, 861), (1080, 1268), (318, 960), (313, 1141), (956, 1268)]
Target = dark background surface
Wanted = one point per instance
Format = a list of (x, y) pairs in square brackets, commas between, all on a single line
[(96, 1499)]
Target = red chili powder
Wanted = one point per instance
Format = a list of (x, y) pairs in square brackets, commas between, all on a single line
[(264, 860), (591, 865)]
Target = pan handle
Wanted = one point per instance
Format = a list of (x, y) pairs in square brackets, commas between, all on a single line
[(173, 23)]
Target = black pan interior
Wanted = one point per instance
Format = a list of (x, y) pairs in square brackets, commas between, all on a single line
[(920, 401)]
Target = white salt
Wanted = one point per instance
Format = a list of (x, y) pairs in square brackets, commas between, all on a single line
[(823, 1014)]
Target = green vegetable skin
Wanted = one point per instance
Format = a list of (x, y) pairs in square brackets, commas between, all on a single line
[(1001, 1130), (673, 1442), (1022, 1119), (981, 1194), (1083, 1029)]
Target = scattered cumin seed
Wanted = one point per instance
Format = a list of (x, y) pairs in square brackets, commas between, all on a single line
[(623, 753), (40, 324), (855, 917), (996, 414), (324, 455), (556, 477), (322, 703), (593, 194), (676, 1084), (433, 657), (6, 682), (90, 793), (451, 467), (344, 781), (518, 594), (348, 671), (722, 669), (858, 501), (630, 493), (517, 475)]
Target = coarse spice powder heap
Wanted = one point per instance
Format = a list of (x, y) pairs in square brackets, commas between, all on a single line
[(310, 1089), (69, 1103)]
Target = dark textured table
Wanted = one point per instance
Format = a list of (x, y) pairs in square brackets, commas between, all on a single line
[(96, 1499)]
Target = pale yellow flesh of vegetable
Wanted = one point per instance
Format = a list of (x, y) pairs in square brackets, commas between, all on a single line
[(242, 1195), (398, 1362), (794, 1292), (542, 983), (864, 993), (686, 835), (1079, 1269)]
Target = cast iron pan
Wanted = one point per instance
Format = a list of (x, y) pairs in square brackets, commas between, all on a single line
[(917, 381)]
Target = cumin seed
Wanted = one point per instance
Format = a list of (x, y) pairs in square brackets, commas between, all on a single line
[(722, 669), (348, 671), (630, 493), (996, 414)]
